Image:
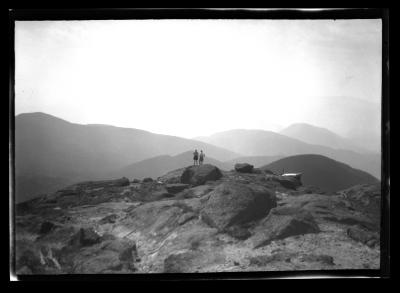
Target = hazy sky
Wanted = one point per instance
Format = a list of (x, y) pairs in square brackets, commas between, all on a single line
[(196, 77)]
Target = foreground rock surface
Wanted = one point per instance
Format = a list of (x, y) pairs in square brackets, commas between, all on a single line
[(219, 222)]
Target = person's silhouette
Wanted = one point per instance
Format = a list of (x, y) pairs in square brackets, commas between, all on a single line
[(195, 157), (202, 155)]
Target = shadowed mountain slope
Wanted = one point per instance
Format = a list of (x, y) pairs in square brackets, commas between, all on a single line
[(322, 172)]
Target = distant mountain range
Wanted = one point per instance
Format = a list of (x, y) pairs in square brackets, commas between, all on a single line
[(268, 143), (46, 146), (51, 153), (322, 172), (320, 136), (342, 115)]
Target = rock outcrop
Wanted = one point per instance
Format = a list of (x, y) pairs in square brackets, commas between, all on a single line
[(198, 175), (283, 223), (233, 203), (365, 198), (244, 167), (364, 236), (172, 176)]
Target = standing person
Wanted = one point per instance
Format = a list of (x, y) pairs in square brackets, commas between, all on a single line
[(195, 157), (202, 155)]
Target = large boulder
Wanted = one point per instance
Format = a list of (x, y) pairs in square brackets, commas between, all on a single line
[(172, 176), (366, 199), (232, 203), (282, 223), (244, 168), (198, 175), (364, 236)]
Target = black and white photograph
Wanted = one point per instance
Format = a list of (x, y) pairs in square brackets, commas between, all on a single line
[(173, 145)]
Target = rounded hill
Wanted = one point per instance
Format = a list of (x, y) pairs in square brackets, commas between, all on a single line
[(322, 172)]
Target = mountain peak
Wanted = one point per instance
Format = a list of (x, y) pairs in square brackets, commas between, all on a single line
[(39, 115), (320, 136), (307, 127)]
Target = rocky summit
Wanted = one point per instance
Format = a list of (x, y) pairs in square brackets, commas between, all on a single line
[(198, 219), (199, 175)]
